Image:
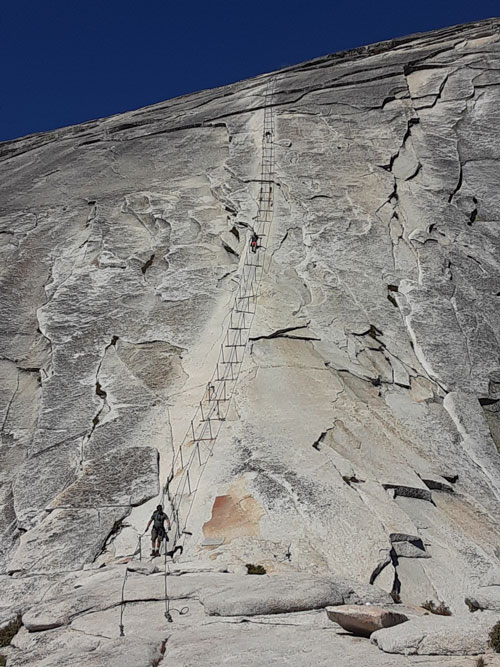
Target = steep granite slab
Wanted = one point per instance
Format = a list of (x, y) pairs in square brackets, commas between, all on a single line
[(374, 350)]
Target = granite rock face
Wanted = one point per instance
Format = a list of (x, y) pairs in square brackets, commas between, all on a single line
[(362, 440)]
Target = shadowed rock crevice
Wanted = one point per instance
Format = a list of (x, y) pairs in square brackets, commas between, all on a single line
[(102, 394), (406, 137), (285, 333), (147, 264), (409, 492)]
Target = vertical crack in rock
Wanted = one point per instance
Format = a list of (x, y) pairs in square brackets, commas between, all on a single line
[(459, 183), (403, 165), (414, 120), (41, 329), (396, 583), (379, 568), (317, 443), (9, 405), (391, 559), (392, 288), (102, 394), (405, 546), (283, 239), (464, 114)]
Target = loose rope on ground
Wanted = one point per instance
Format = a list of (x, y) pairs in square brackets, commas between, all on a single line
[(168, 608)]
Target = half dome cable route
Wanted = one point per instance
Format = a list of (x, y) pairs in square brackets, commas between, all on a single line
[(196, 448)]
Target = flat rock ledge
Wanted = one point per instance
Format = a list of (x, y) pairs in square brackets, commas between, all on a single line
[(436, 635), (277, 594), (363, 620)]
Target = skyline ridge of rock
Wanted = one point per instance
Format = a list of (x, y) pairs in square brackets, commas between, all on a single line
[(361, 50)]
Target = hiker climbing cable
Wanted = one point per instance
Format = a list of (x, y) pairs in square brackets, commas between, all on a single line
[(254, 242), (158, 533), (212, 397)]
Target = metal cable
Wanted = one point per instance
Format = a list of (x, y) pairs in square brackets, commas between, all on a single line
[(122, 604), (138, 550), (213, 408)]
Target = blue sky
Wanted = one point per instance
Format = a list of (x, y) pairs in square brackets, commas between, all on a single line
[(64, 62)]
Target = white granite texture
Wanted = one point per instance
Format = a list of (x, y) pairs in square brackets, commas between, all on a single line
[(362, 442)]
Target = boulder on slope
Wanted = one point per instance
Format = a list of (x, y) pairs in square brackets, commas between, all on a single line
[(438, 635), (362, 620)]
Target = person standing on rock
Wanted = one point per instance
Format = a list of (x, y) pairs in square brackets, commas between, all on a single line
[(158, 533)]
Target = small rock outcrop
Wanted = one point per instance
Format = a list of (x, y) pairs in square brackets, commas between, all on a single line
[(363, 620), (436, 635)]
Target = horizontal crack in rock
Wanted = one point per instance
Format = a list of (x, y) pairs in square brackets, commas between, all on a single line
[(283, 333)]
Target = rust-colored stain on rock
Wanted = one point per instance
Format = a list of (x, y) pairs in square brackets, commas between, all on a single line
[(236, 514)]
